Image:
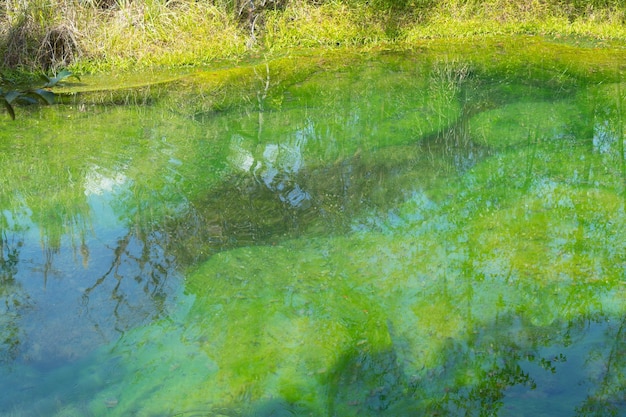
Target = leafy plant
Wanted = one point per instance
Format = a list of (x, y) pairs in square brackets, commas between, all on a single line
[(53, 81), (10, 97)]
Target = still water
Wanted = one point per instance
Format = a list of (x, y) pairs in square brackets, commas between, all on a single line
[(434, 232)]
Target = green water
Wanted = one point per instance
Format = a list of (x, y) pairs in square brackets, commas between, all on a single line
[(434, 232)]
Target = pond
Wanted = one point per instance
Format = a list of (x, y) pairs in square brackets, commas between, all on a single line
[(438, 231)]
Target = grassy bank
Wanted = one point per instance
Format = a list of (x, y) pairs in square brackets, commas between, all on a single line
[(105, 35)]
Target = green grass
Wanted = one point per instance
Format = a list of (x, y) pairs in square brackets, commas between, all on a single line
[(458, 18), (103, 36)]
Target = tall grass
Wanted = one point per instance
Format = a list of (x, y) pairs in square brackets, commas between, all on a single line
[(26, 27), (599, 18), (108, 34), (153, 32), (100, 35), (329, 24)]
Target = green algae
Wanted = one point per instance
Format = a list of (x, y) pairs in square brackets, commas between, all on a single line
[(370, 321), (323, 324), (457, 234), (520, 122)]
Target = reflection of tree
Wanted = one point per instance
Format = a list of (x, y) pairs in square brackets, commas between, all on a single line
[(137, 256), (609, 398), (370, 383), (132, 289), (608, 130), (277, 195), (299, 171), (12, 296), (477, 374)]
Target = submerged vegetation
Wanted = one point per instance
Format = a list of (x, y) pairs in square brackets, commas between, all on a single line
[(101, 35), (432, 232)]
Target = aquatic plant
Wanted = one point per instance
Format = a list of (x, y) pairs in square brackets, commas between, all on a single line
[(57, 78), (11, 97), (24, 97)]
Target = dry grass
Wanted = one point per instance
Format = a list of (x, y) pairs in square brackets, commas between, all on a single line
[(19, 43), (39, 34), (59, 48), (156, 33)]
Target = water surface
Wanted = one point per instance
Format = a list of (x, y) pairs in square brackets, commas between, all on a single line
[(400, 233)]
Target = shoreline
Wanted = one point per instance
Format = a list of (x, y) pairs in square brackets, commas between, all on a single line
[(140, 35)]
